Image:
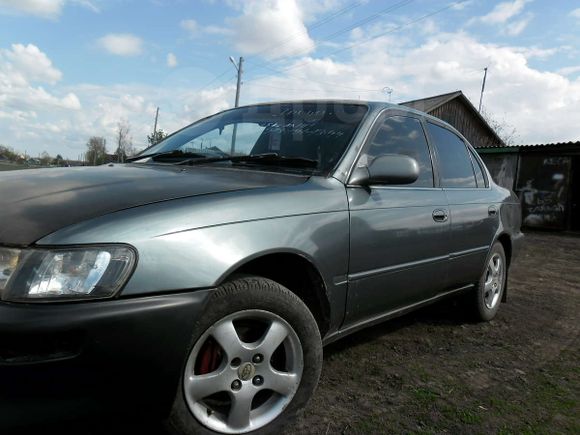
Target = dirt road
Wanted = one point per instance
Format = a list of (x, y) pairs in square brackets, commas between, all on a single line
[(434, 372)]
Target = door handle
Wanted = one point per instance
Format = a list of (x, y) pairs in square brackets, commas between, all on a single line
[(492, 210), (440, 215)]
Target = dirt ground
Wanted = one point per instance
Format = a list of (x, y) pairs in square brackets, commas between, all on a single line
[(435, 372)]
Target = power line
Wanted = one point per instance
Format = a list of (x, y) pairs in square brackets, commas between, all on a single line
[(396, 29), (310, 90), (336, 85), (366, 20)]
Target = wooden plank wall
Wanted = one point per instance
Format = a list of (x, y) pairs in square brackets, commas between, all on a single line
[(459, 116)]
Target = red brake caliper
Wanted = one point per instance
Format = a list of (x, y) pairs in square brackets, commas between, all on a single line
[(210, 357)]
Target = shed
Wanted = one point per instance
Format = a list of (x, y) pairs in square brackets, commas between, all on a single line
[(546, 177)]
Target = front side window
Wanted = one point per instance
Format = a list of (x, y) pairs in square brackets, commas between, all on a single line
[(402, 135), (454, 162), (293, 136)]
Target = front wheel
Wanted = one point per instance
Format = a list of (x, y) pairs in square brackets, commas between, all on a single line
[(255, 361), (489, 291)]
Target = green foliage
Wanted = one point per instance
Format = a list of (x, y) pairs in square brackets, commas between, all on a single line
[(156, 137), (8, 153)]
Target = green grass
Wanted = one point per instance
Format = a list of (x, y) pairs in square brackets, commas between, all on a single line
[(10, 166)]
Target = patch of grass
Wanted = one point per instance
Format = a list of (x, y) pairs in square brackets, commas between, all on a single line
[(371, 424), (425, 396), (466, 416)]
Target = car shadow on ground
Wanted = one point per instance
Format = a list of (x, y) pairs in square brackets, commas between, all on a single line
[(448, 312)]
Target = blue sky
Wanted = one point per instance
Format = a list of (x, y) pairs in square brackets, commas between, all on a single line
[(70, 69)]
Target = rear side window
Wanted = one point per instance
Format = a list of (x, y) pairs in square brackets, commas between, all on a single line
[(454, 162), (479, 177), (403, 135)]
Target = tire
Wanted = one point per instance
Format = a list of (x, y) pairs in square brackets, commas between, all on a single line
[(262, 311), (488, 294)]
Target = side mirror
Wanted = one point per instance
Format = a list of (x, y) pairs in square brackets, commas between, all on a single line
[(387, 169)]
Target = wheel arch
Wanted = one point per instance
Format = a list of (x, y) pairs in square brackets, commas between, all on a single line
[(295, 271), (506, 242)]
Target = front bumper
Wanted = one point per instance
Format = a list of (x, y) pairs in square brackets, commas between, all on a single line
[(74, 361)]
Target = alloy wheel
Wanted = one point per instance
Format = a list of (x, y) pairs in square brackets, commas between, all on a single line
[(494, 281), (243, 371)]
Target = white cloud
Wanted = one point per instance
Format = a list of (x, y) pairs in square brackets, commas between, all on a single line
[(502, 12), (26, 63), (508, 16), (514, 28), (569, 70), (171, 60), (42, 8), (122, 44), (575, 13), (22, 67), (194, 29), (190, 25), (268, 23)]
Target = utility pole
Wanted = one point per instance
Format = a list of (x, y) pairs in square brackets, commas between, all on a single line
[(239, 69), (482, 88), (155, 126)]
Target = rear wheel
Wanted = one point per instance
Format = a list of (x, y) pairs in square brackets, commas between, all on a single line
[(489, 291), (254, 363)]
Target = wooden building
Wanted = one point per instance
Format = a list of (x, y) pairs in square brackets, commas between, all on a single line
[(546, 177), (456, 109)]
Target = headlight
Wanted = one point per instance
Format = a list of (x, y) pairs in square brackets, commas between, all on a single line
[(64, 274)]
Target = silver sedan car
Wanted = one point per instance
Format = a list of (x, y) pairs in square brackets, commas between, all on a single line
[(197, 283)]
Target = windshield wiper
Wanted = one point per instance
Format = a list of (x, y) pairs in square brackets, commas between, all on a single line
[(169, 155), (264, 158)]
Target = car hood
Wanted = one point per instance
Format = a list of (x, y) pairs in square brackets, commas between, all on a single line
[(34, 203)]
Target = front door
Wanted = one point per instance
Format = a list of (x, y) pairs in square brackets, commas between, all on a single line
[(399, 234)]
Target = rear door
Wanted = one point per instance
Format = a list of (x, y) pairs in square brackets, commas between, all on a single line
[(398, 252), (473, 205)]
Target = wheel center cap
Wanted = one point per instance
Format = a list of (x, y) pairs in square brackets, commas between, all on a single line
[(246, 371)]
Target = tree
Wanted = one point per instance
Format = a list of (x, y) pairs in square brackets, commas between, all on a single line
[(45, 158), (8, 153), (96, 151), (506, 131), (124, 141), (156, 137), (58, 160)]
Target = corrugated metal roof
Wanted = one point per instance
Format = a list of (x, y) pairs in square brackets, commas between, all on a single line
[(552, 144)]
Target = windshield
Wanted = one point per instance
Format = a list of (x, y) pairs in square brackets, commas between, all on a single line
[(318, 132)]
